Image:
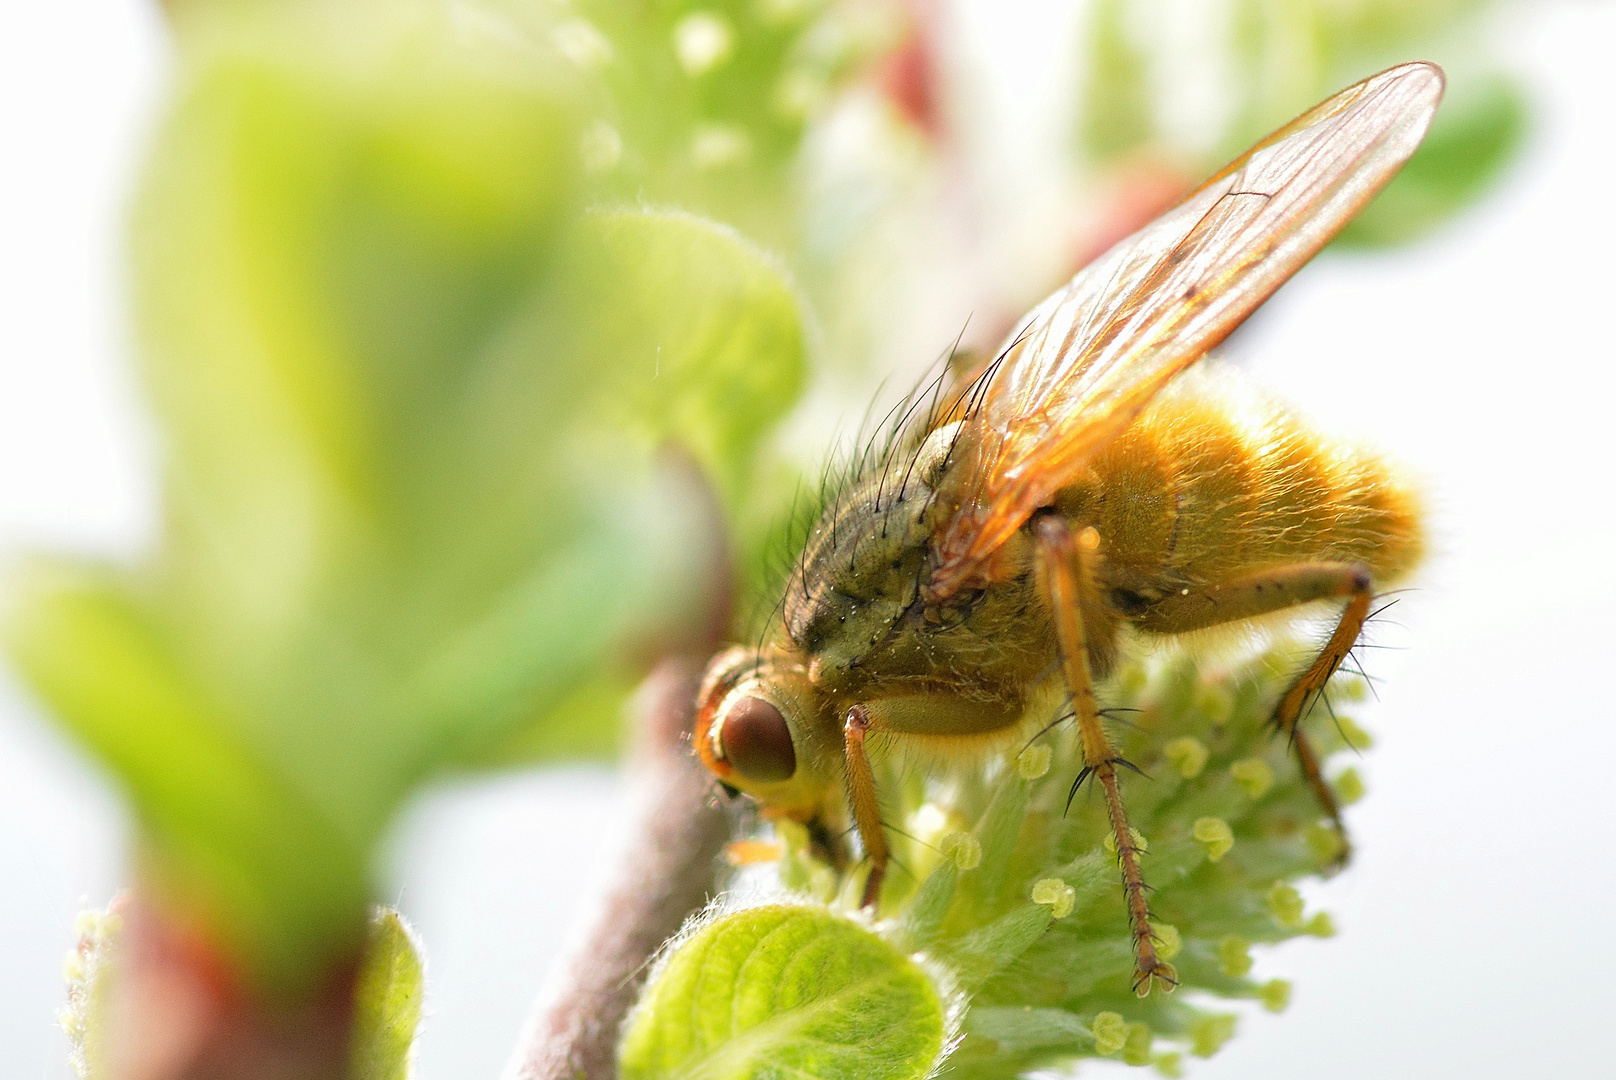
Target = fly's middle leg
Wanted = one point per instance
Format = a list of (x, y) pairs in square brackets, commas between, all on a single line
[(1066, 571)]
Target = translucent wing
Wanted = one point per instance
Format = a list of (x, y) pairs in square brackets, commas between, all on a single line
[(1086, 361)]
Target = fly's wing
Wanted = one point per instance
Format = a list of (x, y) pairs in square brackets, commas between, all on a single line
[(1087, 360)]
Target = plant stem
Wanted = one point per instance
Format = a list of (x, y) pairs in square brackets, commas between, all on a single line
[(668, 873)]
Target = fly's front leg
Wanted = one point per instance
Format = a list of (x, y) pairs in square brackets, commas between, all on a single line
[(861, 794), (1274, 590), (902, 716), (1066, 571)]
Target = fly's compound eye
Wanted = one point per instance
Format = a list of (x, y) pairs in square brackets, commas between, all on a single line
[(756, 742)]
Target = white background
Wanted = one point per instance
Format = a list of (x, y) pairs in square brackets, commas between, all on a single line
[(1476, 934)]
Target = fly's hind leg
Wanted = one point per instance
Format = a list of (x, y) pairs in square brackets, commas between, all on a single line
[(1274, 590), (1353, 582), (1066, 570)]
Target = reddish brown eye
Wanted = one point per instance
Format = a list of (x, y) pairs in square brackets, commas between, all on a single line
[(756, 741)]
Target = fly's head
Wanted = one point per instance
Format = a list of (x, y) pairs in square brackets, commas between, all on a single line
[(762, 728)]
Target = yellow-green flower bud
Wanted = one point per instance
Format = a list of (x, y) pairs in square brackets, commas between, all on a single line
[(1110, 1033), (1275, 995), (1286, 904), (1349, 786), (1356, 737), (1254, 775), (1323, 841), (1188, 755), (1215, 834), (1234, 955), (1034, 761), (1209, 1033), (964, 848), (1214, 702), (702, 41), (1059, 896), (1136, 1048)]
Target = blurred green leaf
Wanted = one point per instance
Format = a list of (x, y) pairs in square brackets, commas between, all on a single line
[(440, 452), (693, 340), (235, 839), (587, 723), (785, 991), (691, 370)]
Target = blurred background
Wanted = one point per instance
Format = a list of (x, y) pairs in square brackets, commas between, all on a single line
[(1480, 355)]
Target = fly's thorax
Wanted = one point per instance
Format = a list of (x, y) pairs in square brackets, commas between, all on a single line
[(858, 614), (863, 564), (762, 728)]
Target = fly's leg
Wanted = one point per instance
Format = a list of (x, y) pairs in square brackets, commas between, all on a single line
[(1274, 590), (861, 794), (1287, 717), (898, 716), (1066, 570)]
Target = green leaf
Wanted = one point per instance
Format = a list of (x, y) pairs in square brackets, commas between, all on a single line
[(343, 207), (387, 1000), (691, 340), (441, 452), (978, 955), (586, 724), (785, 991), (233, 837), (691, 371), (1016, 1030)]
